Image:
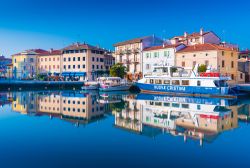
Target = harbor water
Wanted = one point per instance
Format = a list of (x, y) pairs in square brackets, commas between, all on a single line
[(122, 129)]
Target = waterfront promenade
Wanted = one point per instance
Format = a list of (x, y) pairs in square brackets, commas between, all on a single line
[(6, 85)]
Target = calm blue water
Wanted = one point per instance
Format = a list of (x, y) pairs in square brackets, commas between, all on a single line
[(72, 129)]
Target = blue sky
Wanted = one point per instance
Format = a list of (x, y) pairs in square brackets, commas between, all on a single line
[(48, 24)]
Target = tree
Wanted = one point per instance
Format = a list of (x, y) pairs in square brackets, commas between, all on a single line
[(118, 70), (202, 68)]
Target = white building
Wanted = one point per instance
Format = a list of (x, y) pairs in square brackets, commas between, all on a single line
[(160, 55)]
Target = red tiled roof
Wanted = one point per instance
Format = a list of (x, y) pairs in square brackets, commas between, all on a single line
[(195, 34), (245, 52), (162, 47), (204, 47), (37, 51), (50, 53), (135, 40), (78, 46)]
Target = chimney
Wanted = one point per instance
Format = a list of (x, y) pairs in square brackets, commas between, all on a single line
[(185, 34), (51, 50), (201, 31), (163, 45), (77, 44)]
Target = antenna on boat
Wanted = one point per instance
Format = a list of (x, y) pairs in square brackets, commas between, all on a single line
[(195, 71)]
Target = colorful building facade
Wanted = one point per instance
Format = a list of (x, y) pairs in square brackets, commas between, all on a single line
[(129, 53), (160, 55), (217, 58)]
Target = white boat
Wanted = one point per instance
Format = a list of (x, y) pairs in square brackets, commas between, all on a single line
[(113, 84), (90, 86), (172, 79)]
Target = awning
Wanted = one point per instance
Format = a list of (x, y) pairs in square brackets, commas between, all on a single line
[(66, 74), (80, 74), (74, 74)]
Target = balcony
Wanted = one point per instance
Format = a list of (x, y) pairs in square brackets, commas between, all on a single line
[(136, 50), (126, 61), (128, 51), (119, 52), (135, 61)]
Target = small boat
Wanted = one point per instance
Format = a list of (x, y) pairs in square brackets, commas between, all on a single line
[(90, 86), (113, 84), (177, 80)]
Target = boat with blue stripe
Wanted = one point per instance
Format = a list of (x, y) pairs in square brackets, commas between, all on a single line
[(177, 80)]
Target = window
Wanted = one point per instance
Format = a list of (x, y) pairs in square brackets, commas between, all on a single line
[(194, 55), (232, 76), (166, 104), (151, 81), (69, 59), (31, 60), (147, 66), (185, 82), (83, 58), (176, 105), (185, 106), (166, 82), (68, 66), (83, 110), (156, 54), (175, 82), (93, 66), (232, 64), (79, 58), (79, 66), (166, 53), (232, 54), (64, 66), (183, 64), (83, 66), (206, 54), (68, 101), (207, 63), (148, 55), (78, 110), (101, 59), (74, 66), (198, 107), (158, 81), (223, 64), (93, 58), (241, 76), (74, 58), (97, 66), (198, 83), (97, 59), (68, 109), (83, 102), (223, 53), (194, 63), (64, 59)]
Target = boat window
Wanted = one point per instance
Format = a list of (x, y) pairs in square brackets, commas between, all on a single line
[(185, 106), (167, 82), (158, 81), (198, 83), (185, 82), (176, 105), (175, 82), (220, 83), (151, 103), (151, 81), (166, 104), (158, 103)]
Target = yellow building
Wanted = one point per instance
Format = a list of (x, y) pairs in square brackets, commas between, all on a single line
[(25, 63), (50, 62), (218, 58), (83, 61)]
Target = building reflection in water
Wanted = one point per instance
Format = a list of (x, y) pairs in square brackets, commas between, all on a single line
[(201, 119), (195, 118), (78, 108)]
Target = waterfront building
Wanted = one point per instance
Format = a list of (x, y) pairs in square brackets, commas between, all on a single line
[(215, 57), (4, 63), (25, 63), (129, 53), (245, 55), (244, 67), (160, 55), (50, 62), (83, 61), (201, 37)]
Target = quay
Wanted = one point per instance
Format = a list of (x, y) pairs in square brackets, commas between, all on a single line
[(17, 85)]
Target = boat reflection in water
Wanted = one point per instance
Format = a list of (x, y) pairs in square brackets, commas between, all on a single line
[(199, 119), (77, 108), (195, 118)]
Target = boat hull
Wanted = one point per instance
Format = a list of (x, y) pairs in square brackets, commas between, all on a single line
[(115, 88), (90, 88), (182, 89)]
